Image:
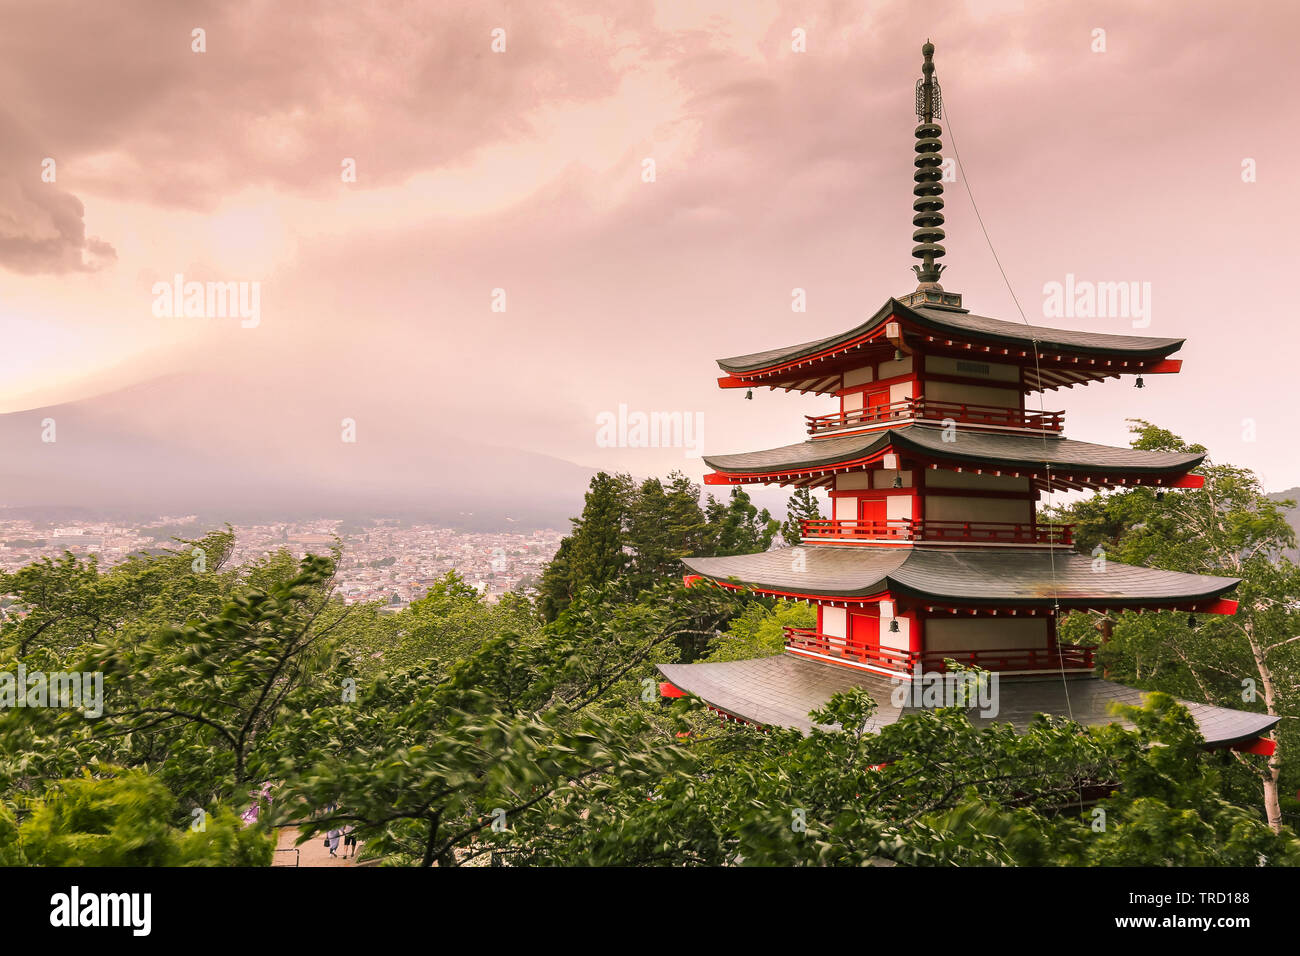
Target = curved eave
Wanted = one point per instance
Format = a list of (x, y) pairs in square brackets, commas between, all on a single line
[(1085, 458), (1070, 463), (805, 572), (782, 690), (790, 356), (807, 366), (1067, 341), (968, 578), (804, 457)]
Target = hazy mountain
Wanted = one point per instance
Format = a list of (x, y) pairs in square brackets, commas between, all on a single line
[(1293, 516), (194, 444)]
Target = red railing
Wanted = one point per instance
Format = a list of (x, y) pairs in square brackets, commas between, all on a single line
[(927, 410), (804, 639), (903, 529), (1062, 657), (927, 529)]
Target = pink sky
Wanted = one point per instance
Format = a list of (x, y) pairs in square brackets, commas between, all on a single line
[(522, 170)]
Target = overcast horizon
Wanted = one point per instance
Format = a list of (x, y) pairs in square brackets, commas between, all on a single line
[(501, 270)]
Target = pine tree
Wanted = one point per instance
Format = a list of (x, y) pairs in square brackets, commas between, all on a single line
[(593, 555), (738, 527), (598, 555), (686, 518), (649, 536), (664, 526), (802, 507), (553, 591)]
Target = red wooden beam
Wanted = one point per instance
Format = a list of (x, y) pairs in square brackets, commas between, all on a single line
[(690, 580), (1221, 606), (670, 690), (1264, 746), (1163, 367), (731, 381), (1188, 481)]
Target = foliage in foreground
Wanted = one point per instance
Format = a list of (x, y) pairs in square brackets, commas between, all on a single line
[(1249, 660), (456, 729), (927, 790), (121, 819)]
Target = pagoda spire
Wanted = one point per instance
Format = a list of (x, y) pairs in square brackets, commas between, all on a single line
[(928, 204)]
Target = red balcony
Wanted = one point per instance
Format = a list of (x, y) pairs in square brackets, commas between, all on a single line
[(902, 529), (966, 532), (924, 410), (1068, 657), (804, 639)]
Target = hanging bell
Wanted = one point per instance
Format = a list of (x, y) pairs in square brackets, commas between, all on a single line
[(893, 626), (898, 355), (898, 481), (1191, 621), (1139, 383), (749, 395)]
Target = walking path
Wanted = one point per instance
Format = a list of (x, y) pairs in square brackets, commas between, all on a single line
[(312, 853)]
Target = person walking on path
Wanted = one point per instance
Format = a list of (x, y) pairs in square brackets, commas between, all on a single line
[(332, 841), (349, 840)]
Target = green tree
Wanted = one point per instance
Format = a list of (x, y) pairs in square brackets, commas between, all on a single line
[(127, 819), (664, 526), (1231, 528), (598, 556), (428, 785), (759, 630), (802, 507), (554, 590), (449, 623), (71, 603), (205, 696), (738, 526), (928, 790), (595, 554), (75, 607), (426, 760)]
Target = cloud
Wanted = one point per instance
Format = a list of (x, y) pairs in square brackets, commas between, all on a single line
[(286, 90), (43, 229), (522, 171)]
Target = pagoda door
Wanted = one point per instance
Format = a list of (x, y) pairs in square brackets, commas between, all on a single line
[(876, 403), (864, 634), (871, 517)]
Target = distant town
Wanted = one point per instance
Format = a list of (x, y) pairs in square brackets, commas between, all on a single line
[(384, 560)]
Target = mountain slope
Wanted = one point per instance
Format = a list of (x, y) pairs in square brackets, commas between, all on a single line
[(194, 444)]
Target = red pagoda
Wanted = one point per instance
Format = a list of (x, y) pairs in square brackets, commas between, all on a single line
[(933, 464)]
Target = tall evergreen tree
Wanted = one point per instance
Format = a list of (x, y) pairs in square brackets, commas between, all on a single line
[(686, 518), (664, 526), (802, 507), (739, 527), (553, 591), (649, 537), (595, 554)]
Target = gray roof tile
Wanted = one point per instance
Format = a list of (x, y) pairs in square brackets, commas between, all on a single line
[(1033, 578), (987, 448), (782, 690), (963, 323)]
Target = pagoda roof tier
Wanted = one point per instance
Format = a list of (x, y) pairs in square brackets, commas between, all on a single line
[(1073, 464), (1052, 357), (971, 577), (781, 691)]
